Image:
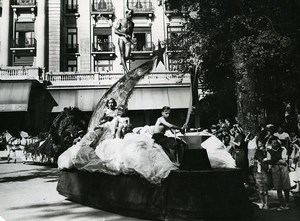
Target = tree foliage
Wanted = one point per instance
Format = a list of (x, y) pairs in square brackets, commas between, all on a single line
[(226, 41)]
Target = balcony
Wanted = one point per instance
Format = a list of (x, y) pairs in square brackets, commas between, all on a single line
[(20, 6), (67, 79), (172, 11), (103, 7), (142, 50), (103, 48), (25, 3), (27, 44), (72, 48), (21, 73), (141, 7)]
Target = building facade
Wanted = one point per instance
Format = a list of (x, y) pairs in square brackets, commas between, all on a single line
[(69, 47)]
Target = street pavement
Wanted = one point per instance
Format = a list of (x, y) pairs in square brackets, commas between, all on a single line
[(28, 192)]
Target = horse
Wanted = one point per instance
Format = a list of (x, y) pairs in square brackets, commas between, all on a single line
[(16, 143), (12, 144)]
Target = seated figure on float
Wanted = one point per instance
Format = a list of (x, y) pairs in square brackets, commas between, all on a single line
[(110, 112), (170, 145)]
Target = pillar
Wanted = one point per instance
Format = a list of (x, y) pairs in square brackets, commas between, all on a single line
[(41, 34), (5, 33)]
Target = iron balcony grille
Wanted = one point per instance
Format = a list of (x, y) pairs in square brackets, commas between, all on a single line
[(104, 47), (140, 6), (103, 6), (24, 43), (25, 2)]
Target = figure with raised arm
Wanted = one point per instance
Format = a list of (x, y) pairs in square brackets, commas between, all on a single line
[(124, 29)]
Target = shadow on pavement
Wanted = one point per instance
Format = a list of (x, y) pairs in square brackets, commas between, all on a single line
[(64, 211), (49, 174)]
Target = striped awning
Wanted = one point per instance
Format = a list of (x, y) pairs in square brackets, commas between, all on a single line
[(14, 96)]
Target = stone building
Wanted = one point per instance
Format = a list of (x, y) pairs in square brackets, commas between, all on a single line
[(64, 53)]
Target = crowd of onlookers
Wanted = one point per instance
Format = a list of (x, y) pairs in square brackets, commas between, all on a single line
[(269, 158)]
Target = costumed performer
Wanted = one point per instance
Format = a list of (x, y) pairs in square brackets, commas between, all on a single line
[(170, 145)]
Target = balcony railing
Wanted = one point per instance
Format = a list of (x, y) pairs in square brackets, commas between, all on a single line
[(173, 9), (103, 6), (108, 79), (141, 6), (24, 43), (25, 2), (103, 47), (148, 46), (21, 73), (72, 48)]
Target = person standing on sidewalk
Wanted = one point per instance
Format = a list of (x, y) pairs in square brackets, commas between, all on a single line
[(260, 171), (277, 158)]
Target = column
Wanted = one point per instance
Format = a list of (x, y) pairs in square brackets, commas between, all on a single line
[(84, 36), (40, 34), (5, 33)]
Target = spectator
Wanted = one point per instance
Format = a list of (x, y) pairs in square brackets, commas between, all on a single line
[(277, 158), (284, 138), (260, 171), (240, 150)]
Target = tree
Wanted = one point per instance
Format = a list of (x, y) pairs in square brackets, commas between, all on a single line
[(247, 47)]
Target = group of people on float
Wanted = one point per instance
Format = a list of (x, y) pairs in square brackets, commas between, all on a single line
[(111, 147), (116, 113), (268, 158)]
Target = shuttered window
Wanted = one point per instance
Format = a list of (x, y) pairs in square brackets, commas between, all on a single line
[(25, 26), (23, 60), (102, 31)]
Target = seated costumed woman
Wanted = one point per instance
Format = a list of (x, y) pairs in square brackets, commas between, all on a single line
[(134, 154), (110, 112)]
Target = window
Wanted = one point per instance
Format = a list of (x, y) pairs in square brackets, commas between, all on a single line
[(24, 34), (142, 39), (72, 39), (140, 5), (22, 60), (103, 65), (103, 40), (72, 65), (71, 5), (173, 32), (173, 5), (103, 5)]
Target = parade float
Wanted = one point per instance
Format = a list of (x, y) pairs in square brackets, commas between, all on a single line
[(196, 190)]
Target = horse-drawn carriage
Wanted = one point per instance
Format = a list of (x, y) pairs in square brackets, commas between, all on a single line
[(31, 148)]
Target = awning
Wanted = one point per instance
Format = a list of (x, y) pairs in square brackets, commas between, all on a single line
[(85, 100), (141, 99), (156, 98), (14, 96)]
